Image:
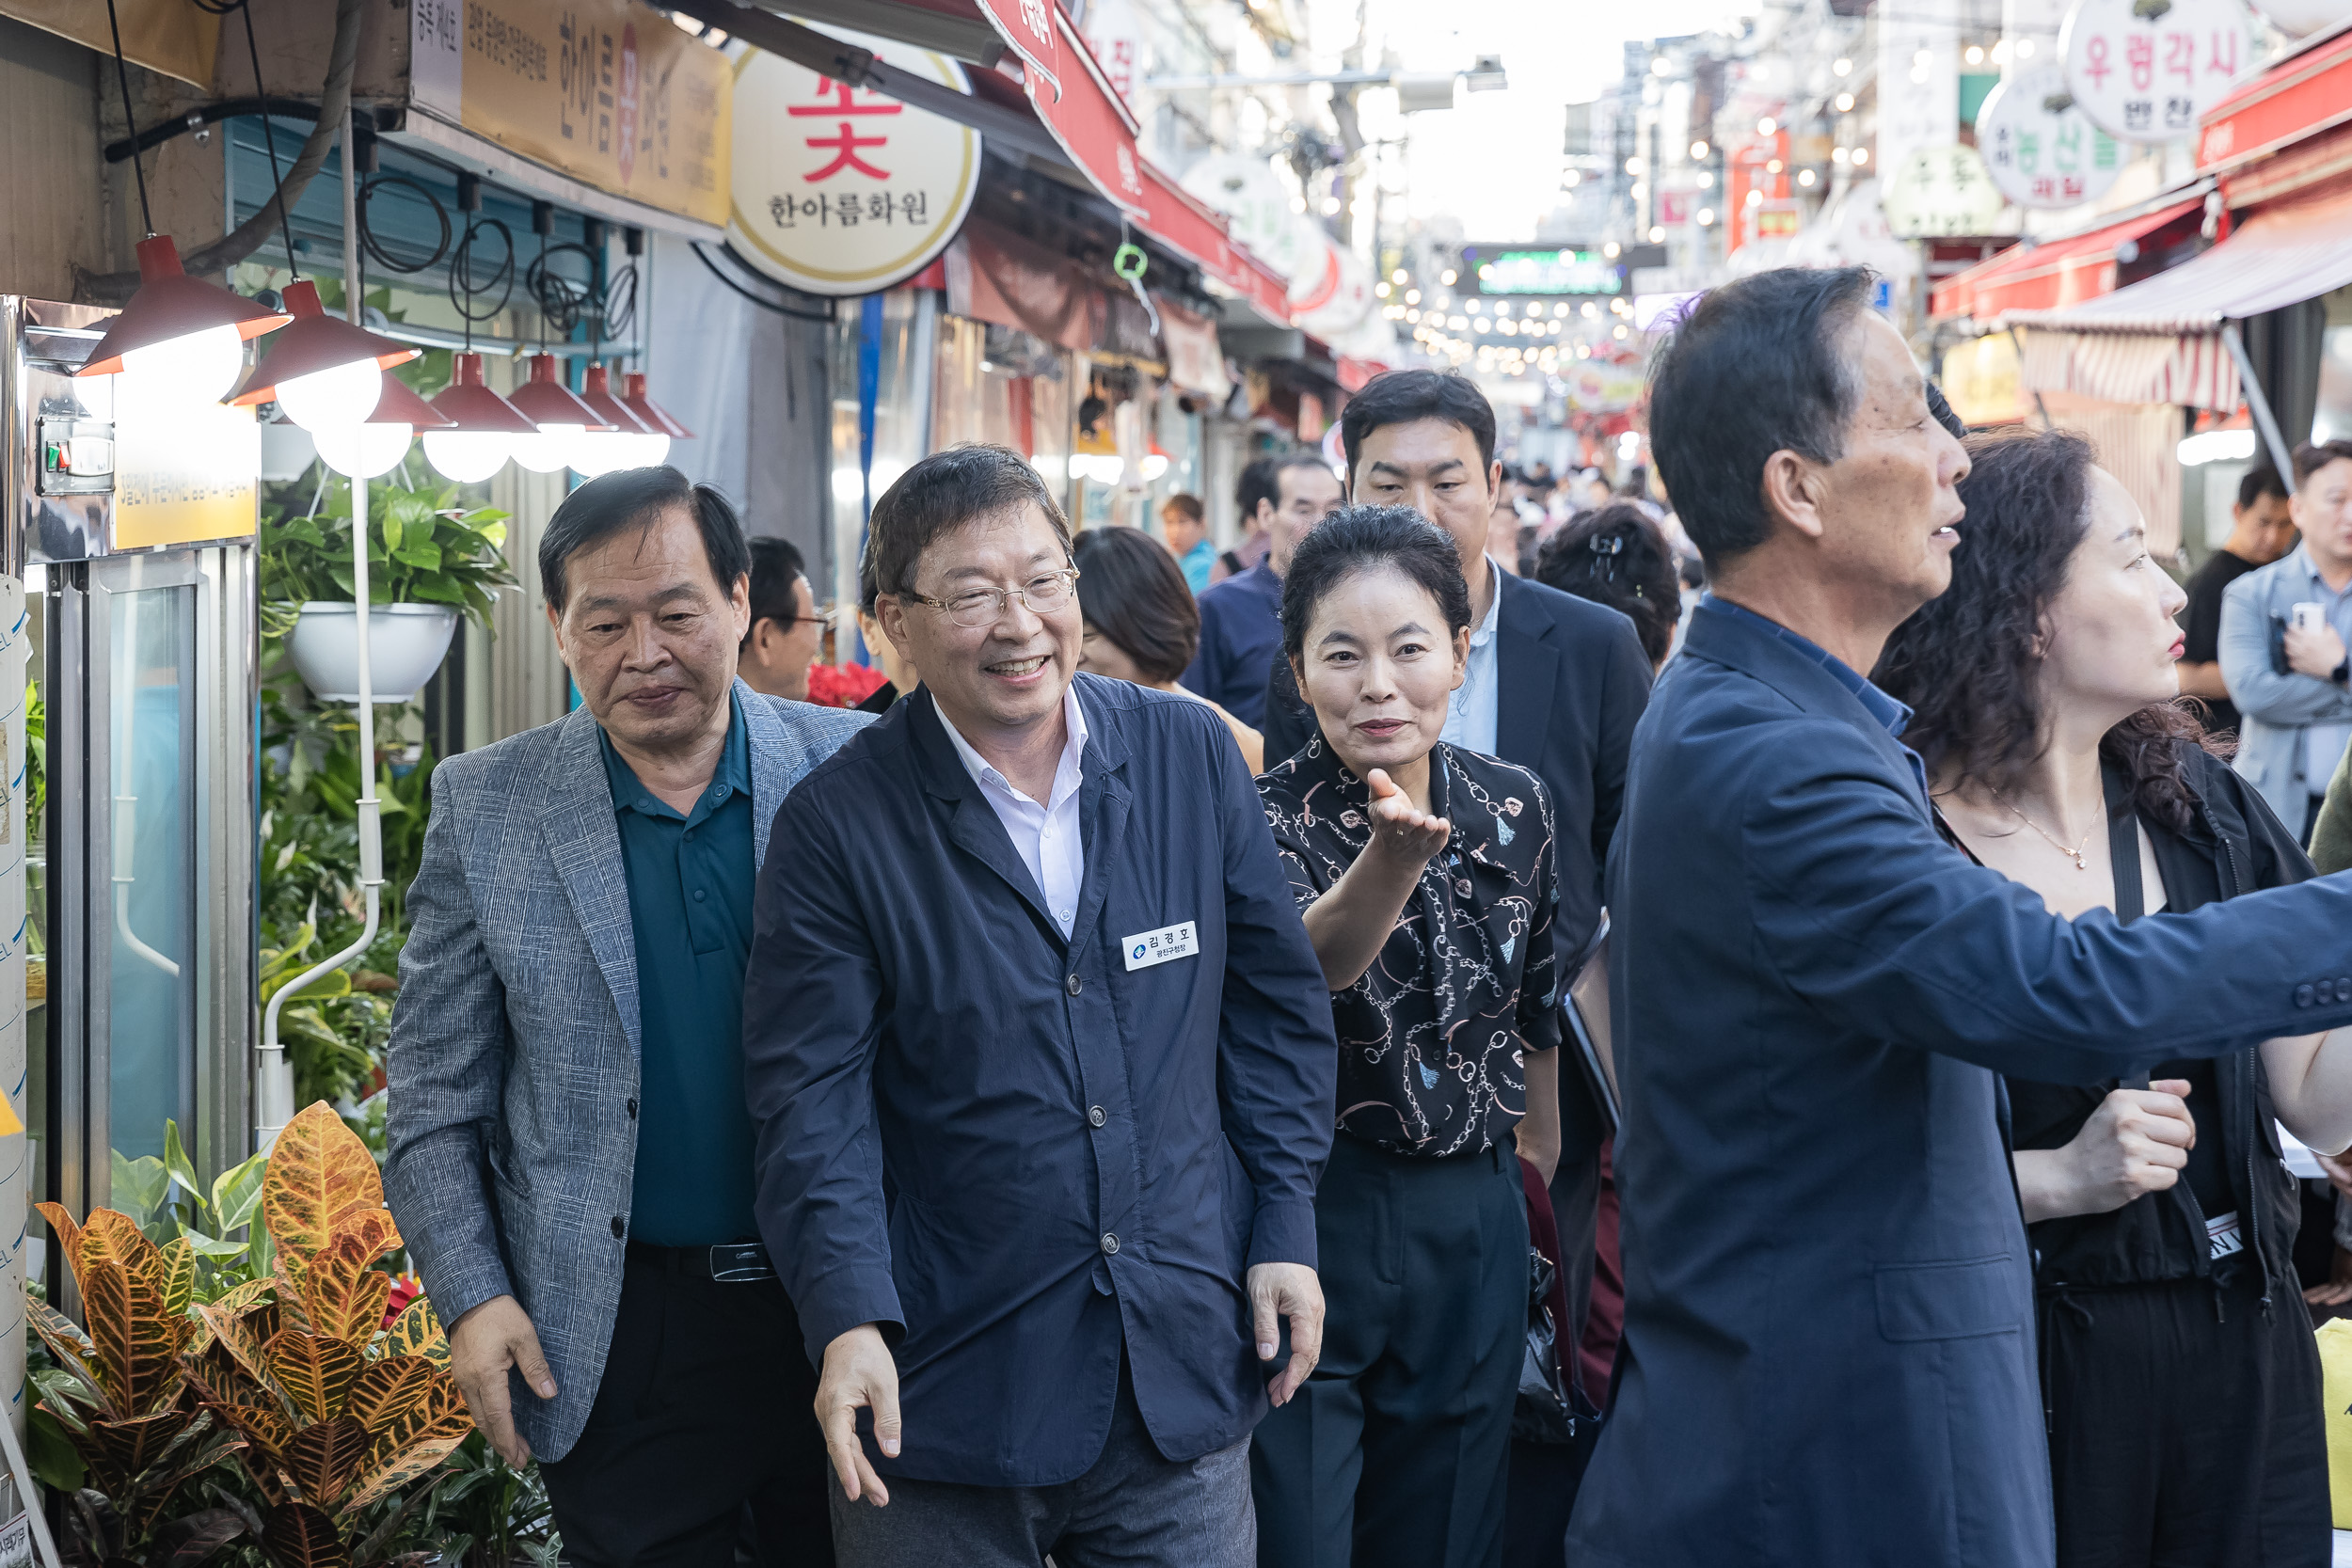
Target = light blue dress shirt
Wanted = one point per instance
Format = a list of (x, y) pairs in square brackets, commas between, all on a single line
[(1469, 713)]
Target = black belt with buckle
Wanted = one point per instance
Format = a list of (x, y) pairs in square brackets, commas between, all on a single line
[(728, 1263)]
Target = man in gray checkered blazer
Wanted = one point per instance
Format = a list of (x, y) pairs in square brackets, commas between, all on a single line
[(569, 1148)]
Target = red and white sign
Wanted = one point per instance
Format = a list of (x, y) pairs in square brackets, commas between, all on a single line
[(1114, 34), (1028, 26), (1674, 208), (839, 190), (2145, 70)]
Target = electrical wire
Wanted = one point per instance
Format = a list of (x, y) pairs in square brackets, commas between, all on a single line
[(373, 244), (562, 303), (122, 80), (618, 312), (260, 97), (464, 290)]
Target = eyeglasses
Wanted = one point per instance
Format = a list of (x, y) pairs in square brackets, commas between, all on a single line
[(1044, 595)]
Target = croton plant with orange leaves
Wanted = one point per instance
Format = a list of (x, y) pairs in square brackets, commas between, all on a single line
[(339, 1421)]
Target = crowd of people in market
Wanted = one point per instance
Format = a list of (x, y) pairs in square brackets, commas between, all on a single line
[(1489, 1022)]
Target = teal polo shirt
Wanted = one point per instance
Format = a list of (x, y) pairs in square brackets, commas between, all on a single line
[(690, 906)]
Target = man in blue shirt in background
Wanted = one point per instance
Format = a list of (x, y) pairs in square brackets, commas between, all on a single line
[(1241, 626)]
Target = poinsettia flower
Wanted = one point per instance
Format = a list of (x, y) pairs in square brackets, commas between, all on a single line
[(842, 684), (404, 1290)]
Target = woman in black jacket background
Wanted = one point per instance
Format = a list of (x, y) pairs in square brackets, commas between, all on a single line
[(2179, 1372)]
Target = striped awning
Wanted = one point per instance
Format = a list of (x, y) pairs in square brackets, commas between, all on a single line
[(2277, 258), (2190, 370)]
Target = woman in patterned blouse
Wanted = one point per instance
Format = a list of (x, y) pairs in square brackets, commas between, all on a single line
[(1424, 875)]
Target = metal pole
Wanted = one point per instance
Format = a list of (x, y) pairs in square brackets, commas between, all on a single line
[(277, 1106), (2265, 420)]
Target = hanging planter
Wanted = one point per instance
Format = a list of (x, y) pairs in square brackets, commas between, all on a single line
[(406, 644), (429, 563)]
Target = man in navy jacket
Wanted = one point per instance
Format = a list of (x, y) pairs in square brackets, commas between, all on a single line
[(1043, 1070), (1829, 1347)]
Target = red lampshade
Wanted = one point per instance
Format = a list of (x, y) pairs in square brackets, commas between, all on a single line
[(169, 304), (316, 342), (466, 405), (649, 412), (612, 410), (544, 399), (399, 405)]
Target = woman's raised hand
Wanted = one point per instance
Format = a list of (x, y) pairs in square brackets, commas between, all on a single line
[(1398, 830)]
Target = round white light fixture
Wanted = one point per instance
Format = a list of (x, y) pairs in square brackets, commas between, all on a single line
[(337, 398), (199, 367), (362, 450), (549, 448), (466, 456)]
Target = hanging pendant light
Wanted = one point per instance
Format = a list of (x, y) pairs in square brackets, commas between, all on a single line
[(376, 445), (180, 332), (321, 373), (483, 426), (629, 444), (636, 401), (558, 414)]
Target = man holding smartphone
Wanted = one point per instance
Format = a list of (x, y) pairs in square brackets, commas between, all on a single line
[(2284, 631)]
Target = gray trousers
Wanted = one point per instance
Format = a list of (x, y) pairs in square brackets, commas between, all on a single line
[(1132, 1509)]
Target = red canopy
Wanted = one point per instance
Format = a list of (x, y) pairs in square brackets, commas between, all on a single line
[(1094, 129), (2055, 273)]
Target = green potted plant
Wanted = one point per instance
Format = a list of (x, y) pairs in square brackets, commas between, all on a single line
[(429, 561)]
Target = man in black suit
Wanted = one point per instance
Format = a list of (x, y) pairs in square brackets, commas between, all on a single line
[(1555, 684)]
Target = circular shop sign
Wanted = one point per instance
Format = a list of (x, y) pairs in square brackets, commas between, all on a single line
[(840, 190), (2040, 147), (2147, 69)]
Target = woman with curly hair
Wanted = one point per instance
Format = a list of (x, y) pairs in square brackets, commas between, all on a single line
[(2179, 1374)]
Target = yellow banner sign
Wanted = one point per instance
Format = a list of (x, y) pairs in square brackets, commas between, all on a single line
[(607, 92), (169, 36), (184, 470)]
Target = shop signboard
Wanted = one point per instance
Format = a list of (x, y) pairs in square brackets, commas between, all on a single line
[(1777, 221), (168, 36), (1942, 191), (2039, 147), (1114, 34), (183, 472), (839, 190), (1601, 386), (2147, 70), (1502, 270), (608, 93)]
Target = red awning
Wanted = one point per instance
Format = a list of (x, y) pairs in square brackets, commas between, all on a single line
[(1095, 130), (2052, 274), (2303, 94)]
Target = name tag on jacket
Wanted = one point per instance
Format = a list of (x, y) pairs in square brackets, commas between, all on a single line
[(1146, 948)]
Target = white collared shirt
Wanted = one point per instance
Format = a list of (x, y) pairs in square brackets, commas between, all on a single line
[(1469, 712), (1046, 836)]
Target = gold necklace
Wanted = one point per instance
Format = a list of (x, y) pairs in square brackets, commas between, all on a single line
[(2076, 854)]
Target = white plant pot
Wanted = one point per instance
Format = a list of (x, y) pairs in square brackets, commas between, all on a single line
[(406, 644)]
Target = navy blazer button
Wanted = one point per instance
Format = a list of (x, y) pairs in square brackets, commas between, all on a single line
[(1096, 1117), (2302, 997), (1073, 985), (1110, 1242), (620, 1227), (633, 1109), (2325, 992), (698, 895), (2344, 988)]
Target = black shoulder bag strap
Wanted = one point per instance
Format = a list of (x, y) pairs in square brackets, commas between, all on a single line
[(2124, 858)]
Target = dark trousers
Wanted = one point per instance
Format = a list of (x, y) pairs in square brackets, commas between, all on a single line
[(1130, 1509), (2186, 1429), (707, 1409), (1396, 1450)]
